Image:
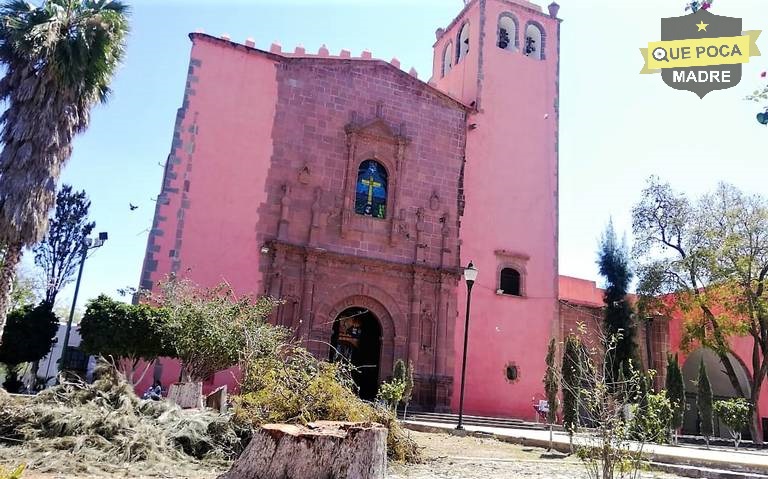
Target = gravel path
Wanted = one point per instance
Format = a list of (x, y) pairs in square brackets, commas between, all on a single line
[(478, 458), (446, 457)]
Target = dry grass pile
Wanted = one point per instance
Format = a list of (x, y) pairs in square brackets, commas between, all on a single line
[(292, 386), (104, 426)]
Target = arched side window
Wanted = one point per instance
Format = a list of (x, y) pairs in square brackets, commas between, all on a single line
[(462, 47), (509, 282), (447, 58), (534, 41), (371, 189), (507, 37)]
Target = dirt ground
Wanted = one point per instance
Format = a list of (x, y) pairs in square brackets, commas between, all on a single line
[(445, 457)]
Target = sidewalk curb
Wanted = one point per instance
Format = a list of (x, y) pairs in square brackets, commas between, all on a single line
[(709, 469)]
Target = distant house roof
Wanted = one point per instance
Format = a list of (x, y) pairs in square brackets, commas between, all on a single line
[(580, 291)]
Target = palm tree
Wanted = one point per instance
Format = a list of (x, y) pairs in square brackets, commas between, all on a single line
[(59, 59)]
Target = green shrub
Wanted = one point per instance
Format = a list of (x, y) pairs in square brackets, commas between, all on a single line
[(651, 421), (391, 393), (735, 413)]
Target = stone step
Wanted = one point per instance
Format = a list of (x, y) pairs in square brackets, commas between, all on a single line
[(447, 418)]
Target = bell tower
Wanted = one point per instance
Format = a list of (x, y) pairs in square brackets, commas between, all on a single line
[(502, 58)]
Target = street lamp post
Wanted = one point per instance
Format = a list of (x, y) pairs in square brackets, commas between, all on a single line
[(88, 244), (470, 275)]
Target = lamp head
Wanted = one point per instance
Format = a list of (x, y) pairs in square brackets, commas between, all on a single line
[(470, 273)]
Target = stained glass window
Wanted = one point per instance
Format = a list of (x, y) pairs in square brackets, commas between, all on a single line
[(371, 190)]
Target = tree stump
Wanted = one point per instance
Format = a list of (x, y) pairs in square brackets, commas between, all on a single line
[(320, 450), (187, 395), (217, 399)]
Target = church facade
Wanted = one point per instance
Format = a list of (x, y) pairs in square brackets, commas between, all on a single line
[(356, 193)]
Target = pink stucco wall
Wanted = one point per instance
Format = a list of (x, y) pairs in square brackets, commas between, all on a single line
[(510, 219), (205, 220)]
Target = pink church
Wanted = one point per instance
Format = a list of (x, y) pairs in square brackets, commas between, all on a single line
[(356, 193)]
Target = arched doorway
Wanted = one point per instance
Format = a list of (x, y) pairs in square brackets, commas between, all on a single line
[(356, 336), (721, 388)]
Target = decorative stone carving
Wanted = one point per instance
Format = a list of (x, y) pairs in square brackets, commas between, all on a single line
[(434, 202), (402, 224), (305, 175)]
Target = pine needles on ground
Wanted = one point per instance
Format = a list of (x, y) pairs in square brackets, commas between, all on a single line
[(86, 428)]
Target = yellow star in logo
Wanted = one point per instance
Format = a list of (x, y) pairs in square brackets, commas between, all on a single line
[(702, 26)]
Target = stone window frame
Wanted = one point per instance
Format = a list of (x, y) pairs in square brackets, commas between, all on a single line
[(516, 261), (516, 41), (373, 140), (540, 48), (459, 56)]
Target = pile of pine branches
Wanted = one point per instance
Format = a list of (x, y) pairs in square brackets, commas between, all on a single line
[(82, 428)]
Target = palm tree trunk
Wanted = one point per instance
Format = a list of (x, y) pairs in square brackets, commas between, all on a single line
[(7, 276)]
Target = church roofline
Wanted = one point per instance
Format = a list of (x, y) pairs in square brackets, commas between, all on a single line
[(301, 55)]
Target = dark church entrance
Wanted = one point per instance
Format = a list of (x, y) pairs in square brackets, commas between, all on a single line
[(357, 337)]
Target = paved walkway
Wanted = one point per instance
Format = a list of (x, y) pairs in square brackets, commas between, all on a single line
[(716, 458)]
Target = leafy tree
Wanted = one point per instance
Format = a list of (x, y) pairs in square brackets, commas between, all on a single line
[(709, 262), (125, 333), (27, 337), (613, 261), (404, 374), (735, 414), (26, 290), (675, 387), (208, 329), (58, 58), (571, 377), (704, 403), (60, 251), (551, 386)]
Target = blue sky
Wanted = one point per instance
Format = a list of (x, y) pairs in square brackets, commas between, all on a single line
[(617, 127)]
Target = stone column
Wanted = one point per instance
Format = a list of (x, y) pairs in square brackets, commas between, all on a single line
[(349, 181), (305, 328), (442, 337), (285, 207), (414, 338)]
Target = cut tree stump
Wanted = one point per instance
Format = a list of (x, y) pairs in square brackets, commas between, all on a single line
[(217, 399), (187, 395), (320, 450)]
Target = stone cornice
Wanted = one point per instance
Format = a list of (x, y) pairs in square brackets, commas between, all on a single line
[(322, 255)]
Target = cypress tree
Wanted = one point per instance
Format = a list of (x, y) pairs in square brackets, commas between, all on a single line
[(676, 393), (550, 388), (704, 403), (613, 261), (572, 377)]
